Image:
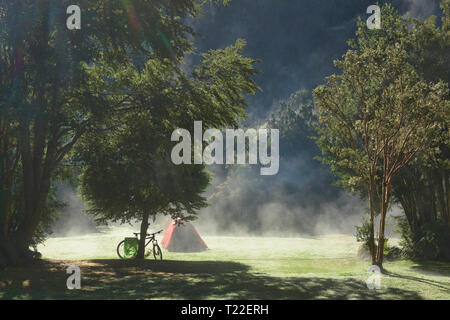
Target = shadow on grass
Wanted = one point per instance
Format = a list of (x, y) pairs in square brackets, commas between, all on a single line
[(115, 279), (433, 267), (441, 285)]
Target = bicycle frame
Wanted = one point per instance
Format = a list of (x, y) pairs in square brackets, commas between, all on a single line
[(151, 239)]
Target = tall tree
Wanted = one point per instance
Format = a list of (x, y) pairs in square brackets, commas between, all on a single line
[(378, 114), (46, 101), (423, 187), (128, 175), (128, 172)]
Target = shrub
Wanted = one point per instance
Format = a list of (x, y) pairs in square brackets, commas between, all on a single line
[(363, 234), (429, 242)]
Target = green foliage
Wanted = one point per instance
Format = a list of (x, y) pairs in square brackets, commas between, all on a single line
[(392, 253), (362, 234), (127, 170), (429, 242), (421, 188), (430, 51), (124, 178), (49, 97), (379, 114), (361, 101), (296, 121)]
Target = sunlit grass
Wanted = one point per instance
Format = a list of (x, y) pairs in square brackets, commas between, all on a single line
[(232, 268), (103, 245)]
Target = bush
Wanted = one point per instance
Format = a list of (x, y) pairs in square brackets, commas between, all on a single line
[(430, 242), (393, 253), (363, 234)]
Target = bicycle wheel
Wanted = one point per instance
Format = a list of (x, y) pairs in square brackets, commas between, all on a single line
[(157, 253), (125, 254)]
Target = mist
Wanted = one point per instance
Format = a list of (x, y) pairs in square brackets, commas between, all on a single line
[(297, 41), (73, 219), (422, 8)]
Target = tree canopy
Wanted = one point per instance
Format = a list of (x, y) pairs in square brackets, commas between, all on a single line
[(379, 114), (127, 170), (48, 93)]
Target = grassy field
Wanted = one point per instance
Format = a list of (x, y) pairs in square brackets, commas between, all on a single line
[(233, 268)]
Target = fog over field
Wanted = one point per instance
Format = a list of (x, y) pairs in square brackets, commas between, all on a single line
[(274, 219), (297, 41)]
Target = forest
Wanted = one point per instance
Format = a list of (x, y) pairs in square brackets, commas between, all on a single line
[(313, 126)]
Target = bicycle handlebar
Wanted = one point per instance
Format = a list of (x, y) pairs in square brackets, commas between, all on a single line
[(148, 234)]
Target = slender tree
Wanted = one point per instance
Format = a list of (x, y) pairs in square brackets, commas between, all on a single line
[(378, 115)]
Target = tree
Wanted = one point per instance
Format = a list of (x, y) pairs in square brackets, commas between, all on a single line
[(127, 169), (423, 187), (128, 176), (46, 102), (378, 115)]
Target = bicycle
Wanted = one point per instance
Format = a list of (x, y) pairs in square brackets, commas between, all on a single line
[(125, 252)]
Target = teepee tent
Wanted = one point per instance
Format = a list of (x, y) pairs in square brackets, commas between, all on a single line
[(181, 236)]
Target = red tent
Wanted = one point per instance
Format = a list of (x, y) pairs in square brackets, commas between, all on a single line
[(181, 236)]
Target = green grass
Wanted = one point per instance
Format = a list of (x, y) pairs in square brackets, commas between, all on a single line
[(233, 268)]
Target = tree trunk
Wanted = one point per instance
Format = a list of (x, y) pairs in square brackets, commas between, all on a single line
[(384, 207), (372, 224), (26, 233), (5, 209), (144, 228), (9, 255), (445, 198), (35, 192)]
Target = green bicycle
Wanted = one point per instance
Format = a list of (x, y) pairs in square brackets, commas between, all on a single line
[(128, 248)]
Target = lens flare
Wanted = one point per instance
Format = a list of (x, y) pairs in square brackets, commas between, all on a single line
[(131, 12), (136, 24)]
